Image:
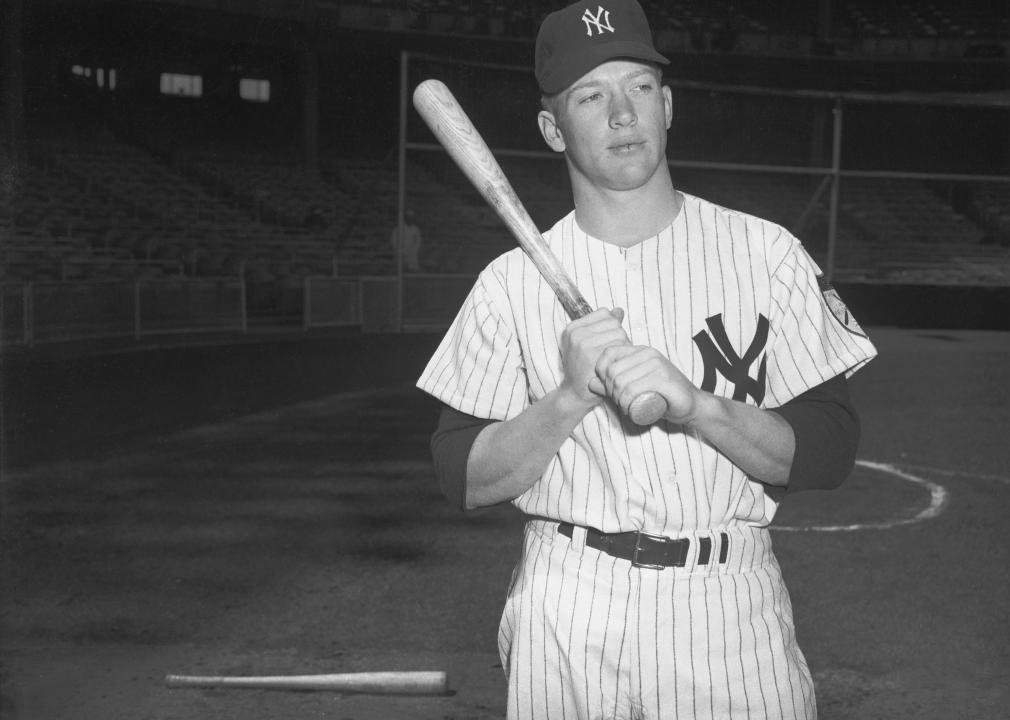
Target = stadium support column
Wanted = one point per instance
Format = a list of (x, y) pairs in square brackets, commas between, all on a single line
[(310, 108), (13, 22), (822, 46), (824, 12), (836, 181), (401, 184)]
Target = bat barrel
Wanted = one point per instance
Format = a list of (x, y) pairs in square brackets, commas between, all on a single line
[(456, 133)]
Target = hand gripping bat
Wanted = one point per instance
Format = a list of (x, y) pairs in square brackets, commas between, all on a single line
[(375, 683), (457, 134)]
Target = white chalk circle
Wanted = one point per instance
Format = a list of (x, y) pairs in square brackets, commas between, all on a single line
[(937, 502)]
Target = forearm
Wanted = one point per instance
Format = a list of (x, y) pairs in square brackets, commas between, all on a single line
[(759, 442), (508, 457)]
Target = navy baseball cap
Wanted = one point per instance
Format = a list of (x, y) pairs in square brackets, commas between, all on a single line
[(577, 38)]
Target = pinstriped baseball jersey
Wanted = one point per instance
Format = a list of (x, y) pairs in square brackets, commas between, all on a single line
[(734, 301), (737, 304)]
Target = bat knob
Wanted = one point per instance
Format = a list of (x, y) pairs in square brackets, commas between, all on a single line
[(647, 408)]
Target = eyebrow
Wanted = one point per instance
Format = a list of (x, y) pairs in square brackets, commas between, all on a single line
[(630, 75)]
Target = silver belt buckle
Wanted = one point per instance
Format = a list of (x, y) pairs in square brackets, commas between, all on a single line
[(638, 547)]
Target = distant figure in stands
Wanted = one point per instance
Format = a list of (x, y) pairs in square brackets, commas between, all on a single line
[(410, 246)]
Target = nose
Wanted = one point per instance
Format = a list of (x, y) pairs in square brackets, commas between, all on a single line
[(622, 112)]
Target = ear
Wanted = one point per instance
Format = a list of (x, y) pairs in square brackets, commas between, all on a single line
[(668, 104), (550, 131)]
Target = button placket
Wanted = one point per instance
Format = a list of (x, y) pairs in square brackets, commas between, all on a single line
[(637, 328)]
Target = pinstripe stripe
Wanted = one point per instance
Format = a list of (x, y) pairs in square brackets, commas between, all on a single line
[(708, 655), (753, 648), (726, 685), (690, 652), (467, 387), (561, 678), (590, 669), (787, 684), (531, 616), (740, 629)]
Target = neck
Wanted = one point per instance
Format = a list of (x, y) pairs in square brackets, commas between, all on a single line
[(626, 217)]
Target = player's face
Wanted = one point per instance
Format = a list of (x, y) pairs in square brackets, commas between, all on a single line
[(612, 124)]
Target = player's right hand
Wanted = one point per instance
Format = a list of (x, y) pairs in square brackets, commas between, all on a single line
[(582, 342)]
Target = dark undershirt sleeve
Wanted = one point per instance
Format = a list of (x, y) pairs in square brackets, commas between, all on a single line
[(826, 426), (450, 449), (823, 420)]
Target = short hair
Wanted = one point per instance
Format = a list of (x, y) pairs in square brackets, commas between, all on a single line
[(548, 102)]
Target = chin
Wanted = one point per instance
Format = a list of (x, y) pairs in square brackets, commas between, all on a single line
[(631, 176), (629, 181)]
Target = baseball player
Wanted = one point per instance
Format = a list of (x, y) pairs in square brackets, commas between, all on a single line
[(647, 585)]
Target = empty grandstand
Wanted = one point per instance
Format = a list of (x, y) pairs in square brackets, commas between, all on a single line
[(260, 154)]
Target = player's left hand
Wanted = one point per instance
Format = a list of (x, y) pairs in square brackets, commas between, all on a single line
[(626, 371)]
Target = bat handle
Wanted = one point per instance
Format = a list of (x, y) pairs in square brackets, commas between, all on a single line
[(647, 408)]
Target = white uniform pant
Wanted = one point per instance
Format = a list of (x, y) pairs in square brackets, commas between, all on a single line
[(589, 636)]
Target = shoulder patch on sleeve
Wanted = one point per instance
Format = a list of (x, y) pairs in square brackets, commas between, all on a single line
[(838, 308)]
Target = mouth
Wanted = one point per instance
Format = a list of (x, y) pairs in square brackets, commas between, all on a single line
[(628, 147)]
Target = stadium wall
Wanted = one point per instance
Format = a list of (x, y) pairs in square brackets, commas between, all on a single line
[(938, 307)]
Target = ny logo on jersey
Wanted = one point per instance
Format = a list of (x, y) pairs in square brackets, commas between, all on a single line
[(601, 20), (720, 356)]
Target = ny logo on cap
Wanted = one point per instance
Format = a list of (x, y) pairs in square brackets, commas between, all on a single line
[(601, 20)]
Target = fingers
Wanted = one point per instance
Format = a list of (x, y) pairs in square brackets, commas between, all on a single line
[(599, 328), (590, 335), (600, 361), (627, 372), (582, 341), (624, 371)]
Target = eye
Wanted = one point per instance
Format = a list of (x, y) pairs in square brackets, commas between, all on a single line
[(590, 98)]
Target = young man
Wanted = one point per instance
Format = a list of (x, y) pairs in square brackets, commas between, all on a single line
[(647, 587), (410, 244)]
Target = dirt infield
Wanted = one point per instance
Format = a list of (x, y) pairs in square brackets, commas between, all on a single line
[(270, 509)]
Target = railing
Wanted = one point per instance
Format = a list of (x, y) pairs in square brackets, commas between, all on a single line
[(47, 312), (40, 312), (104, 260)]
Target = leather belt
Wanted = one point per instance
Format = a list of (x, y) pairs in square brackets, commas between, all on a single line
[(649, 551)]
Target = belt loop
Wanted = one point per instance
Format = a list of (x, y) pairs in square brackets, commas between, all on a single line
[(575, 533), (579, 538)]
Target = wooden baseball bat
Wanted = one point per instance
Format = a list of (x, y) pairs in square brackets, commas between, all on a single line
[(457, 134), (375, 683)]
